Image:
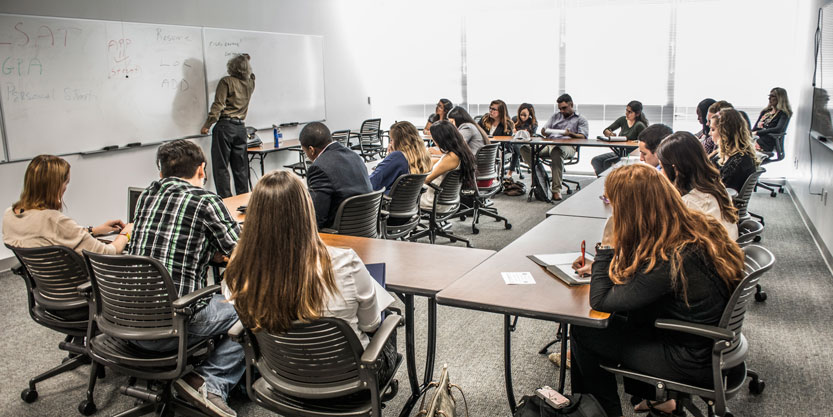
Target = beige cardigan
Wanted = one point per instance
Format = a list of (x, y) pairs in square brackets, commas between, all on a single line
[(35, 228)]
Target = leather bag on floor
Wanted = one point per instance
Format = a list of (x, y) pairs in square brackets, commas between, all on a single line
[(442, 403), (581, 405)]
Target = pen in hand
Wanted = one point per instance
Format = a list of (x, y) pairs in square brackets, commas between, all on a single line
[(582, 252)]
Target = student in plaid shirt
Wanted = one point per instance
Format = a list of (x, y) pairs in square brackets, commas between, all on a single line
[(183, 226)]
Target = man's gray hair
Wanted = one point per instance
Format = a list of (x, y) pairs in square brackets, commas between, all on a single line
[(239, 67)]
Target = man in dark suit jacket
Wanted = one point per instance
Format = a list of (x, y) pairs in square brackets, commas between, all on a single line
[(336, 172)]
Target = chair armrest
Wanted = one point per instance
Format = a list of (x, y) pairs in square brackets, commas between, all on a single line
[(435, 187), (181, 303), (712, 332), (371, 353), (85, 289), (237, 331), (328, 230)]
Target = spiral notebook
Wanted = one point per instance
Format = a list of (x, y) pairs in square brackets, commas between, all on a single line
[(561, 266)]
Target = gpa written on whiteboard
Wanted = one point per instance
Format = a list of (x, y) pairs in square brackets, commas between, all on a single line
[(517, 278)]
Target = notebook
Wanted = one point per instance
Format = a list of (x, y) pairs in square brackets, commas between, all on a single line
[(612, 138), (561, 266)]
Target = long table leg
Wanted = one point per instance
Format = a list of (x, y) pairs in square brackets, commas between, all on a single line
[(431, 342), (410, 356), (507, 361), (562, 372)]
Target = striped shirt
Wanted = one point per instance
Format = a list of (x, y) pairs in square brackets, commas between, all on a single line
[(182, 226)]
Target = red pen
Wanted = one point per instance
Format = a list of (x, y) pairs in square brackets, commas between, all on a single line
[(582, 253)]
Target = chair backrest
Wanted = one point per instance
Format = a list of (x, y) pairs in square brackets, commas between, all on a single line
[(451, 186), (370, 131), (55, 272), (341, 136), (320, 359), (779, 144), (748, 229), (359, 215), (404, 196), (757, 260), (741, 201), (575, 158), (486, 167), (133, 296)]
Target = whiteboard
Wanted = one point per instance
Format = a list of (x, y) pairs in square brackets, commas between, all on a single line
[(71, 85), (289, 73)]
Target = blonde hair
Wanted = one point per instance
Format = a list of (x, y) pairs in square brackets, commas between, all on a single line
[(281, 270), (405, 138), (734, 134), (783, 103), (42, 184), (651, 223)]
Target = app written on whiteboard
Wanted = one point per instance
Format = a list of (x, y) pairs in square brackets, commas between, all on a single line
[(517, 278)]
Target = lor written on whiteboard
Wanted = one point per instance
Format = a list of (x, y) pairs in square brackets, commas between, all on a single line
[(72, 85)]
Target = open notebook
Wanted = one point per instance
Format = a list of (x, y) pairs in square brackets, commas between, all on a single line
[(561, 265)]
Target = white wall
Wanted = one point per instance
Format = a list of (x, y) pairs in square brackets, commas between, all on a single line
[(799, 147), (98, 187)]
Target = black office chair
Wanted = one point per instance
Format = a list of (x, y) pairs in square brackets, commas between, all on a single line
[(369, 139), (741, 200), (52, 275), (400, 208), (358, 216), (342, 137), (134, 298), (749, 231), (778, 156), (486, 171), (447, 196), (757, 259), (569, 161), (729, 370), (316, 369)]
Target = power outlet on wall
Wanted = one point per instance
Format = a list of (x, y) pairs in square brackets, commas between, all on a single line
[(824, 197), (795, 162)]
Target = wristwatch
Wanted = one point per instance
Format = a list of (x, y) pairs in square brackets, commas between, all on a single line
[(599, 246), (90, 230)]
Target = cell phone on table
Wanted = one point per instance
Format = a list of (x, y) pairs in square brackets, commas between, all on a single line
[(552, 397)]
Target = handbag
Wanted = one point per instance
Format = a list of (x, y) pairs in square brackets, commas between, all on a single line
[(442, 402), (581, 405)]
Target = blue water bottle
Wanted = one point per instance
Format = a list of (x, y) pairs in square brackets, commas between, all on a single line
[(276, 135)]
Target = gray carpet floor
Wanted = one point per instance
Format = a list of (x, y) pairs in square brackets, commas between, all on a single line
[(789, 335)]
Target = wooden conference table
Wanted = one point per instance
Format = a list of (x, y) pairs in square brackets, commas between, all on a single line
[(268, 147), (410, 269), (549, 298), (586, 203)]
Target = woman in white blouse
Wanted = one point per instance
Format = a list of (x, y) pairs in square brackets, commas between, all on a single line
[(685, 163), (282, 271)]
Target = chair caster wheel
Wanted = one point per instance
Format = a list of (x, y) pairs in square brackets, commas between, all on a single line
[(781, 191), (521, 176), (569, 192), (578, 187), (757, 239), (773, 194), (756, 386), (393, 388), (29, 395), (463, 218), (87, 408), (475, 231), (760, 296), (508, 226), (453, 240)]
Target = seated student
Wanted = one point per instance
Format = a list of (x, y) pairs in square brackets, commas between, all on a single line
[(496, 122), (440, 113), (629, 125), (574, 126), (708, 142), (773, 119), (407, 155), (336, 172), (276, 278), (455, 155), (685, 163), (183, 226), (525, 120), (703, 119), (473, 135), (36, 219), (649, 140), (675, 263), (736, 157)]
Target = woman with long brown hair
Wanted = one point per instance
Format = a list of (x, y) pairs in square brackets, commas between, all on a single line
[(497, 122), (736, 157), (685, 163), (657, 259), (37, 219), (281, 270), (407, 155)]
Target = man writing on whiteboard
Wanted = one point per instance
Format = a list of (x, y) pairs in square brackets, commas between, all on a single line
[(228, 138)]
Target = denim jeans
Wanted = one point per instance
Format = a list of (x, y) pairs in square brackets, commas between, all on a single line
[(225, 366)]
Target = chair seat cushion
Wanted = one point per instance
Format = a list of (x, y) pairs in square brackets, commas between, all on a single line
[(352, 405), (121, 352), (67, 321)]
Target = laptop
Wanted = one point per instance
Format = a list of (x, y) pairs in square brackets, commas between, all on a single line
[(132, 199)]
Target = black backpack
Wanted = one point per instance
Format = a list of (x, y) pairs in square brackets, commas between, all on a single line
[(580, 406), (542, 183)]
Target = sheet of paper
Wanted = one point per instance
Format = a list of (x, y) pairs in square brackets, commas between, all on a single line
[(562, 258), (517, 278), (383, 297)]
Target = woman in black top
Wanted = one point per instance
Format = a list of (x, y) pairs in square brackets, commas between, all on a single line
[(772, 120), (630, 126), (675, 264), (735, 156), (525, 120), (440, 113), (496, 122)]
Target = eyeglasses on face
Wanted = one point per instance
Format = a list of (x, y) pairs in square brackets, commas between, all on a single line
[(492, 108)]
